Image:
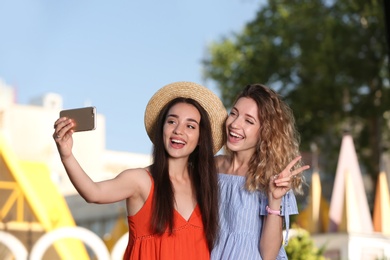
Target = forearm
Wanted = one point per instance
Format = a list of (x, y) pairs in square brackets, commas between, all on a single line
[(272, 233), (84, 185)]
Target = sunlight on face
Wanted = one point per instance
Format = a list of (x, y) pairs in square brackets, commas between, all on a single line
[(242, 126), (181, 130)]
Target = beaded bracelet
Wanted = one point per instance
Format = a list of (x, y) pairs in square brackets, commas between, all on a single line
[(274, 212)]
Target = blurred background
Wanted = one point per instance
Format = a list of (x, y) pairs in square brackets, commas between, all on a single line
[(329, 60)]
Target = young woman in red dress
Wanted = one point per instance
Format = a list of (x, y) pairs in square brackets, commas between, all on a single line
[(172, 204)]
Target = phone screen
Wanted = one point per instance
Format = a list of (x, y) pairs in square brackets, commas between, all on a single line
[(85, 118)]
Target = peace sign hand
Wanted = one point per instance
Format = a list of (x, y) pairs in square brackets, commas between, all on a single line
[(281, 183)]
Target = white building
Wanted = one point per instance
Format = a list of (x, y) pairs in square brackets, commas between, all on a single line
[(27, 132)]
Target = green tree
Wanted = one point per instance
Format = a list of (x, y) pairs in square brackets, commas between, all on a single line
[(329, 61)]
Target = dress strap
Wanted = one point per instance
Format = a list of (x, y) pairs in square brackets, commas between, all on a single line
[(150, 175), (290, 207)]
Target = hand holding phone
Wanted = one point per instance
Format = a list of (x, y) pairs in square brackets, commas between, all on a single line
[(84, 118)]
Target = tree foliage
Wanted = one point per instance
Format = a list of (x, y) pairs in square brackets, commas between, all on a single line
[(328, 59)]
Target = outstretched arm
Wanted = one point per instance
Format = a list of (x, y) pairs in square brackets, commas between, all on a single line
[(125, 185), (272, 231)]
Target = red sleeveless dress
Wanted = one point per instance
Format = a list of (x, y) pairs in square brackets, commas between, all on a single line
[(187, 242)]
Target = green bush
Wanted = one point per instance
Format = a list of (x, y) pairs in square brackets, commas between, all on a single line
[(301, 247)]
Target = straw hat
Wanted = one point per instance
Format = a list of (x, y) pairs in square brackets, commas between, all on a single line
[(204, 96)]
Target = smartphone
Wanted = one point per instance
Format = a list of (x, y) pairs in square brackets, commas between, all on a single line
[(85, 118)]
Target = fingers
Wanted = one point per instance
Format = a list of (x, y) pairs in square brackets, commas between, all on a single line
[(293, 162), (59, 120), (286, 177), (62, 127), (289, 169), (295, 172), (289, 172)]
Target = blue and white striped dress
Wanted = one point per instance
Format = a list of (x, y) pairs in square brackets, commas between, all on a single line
[(240, 221)]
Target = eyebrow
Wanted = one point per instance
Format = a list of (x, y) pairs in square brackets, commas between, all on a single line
[(188, 119), (251, 117), (248, 115)]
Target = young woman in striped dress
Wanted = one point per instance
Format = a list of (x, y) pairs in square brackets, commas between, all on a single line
[(257, 177)]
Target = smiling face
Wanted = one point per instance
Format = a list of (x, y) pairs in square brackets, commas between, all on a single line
[(181, 130), (242, 126)]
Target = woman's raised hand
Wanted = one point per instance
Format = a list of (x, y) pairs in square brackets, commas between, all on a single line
[(63, 136), (281, 183)]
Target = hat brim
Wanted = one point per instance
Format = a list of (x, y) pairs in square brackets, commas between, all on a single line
[(204, 96)]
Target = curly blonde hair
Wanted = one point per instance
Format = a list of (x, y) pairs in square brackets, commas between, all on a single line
[(278, 142)]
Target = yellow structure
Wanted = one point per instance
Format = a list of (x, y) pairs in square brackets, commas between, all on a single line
[(30, 202), (120, 228), (314, 218), (37, 199), (381, 213)]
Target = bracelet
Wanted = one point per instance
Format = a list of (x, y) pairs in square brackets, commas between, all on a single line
[(274, 212)]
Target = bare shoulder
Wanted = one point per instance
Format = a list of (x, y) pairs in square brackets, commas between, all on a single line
[(139, 181), (136, 173), (140, 177)]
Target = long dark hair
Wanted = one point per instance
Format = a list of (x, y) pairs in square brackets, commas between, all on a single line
[(202, 171)]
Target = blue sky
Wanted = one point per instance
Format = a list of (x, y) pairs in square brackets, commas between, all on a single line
[(112, 54)]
